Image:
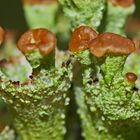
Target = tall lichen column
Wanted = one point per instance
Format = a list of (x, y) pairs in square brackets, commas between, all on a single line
[(83, 12), (39, 104), (41, 14), (112, 100), (78, 46), (116, 15)]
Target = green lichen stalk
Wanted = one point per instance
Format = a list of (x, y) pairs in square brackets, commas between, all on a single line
[(83, 12), (41, 14), (113, 103), (39, 104), (116, 17), (112, 100), (93, 71)]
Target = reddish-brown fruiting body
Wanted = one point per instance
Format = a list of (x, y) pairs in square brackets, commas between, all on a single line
[(3, 62), (80, 38), (1, 126), (110, 43), (2, 33), (122, 3), (34, 2), (131, 77), (41, 39)]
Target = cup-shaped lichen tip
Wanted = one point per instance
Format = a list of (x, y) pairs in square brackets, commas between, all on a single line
[(111, 44), (2, 34), (131, 77), (80, 38), (40, 40)]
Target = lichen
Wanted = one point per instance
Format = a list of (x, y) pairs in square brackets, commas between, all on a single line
[(83, 12), (115, 18), (7, 134)]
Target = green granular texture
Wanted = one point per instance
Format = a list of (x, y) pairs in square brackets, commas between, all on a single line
[(39, 108), (83, 12), (109, 107)]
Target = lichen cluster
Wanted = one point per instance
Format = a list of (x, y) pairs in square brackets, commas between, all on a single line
[(106, 94)]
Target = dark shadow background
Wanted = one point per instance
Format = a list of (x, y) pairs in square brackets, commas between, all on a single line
[(137, 11), (12, 16)]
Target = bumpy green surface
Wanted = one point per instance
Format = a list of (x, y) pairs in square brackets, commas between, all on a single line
[(40, 105), (109, 107), (83, 12), (115, 18), (86, 68)]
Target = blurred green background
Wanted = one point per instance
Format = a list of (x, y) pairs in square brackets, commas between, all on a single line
[(12, 16)]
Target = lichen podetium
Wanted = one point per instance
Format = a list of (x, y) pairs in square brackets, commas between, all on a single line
[(84, 12), (109, 102), (39, 104), (92, 71), (116, 15)]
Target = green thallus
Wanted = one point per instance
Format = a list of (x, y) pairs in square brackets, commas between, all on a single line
[(39, 104)]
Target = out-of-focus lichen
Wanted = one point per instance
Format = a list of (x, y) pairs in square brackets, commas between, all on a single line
[(83, 12), (39, 104), (133, 64), (115, 18), (41, 15), (13, 62), (7, 134)]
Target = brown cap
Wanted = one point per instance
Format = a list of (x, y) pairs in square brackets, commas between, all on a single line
[(80, 38), (2, 33), (41, 39), (131, 77), (33, 2), (3, 62), (109, 43), (122, 3)]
